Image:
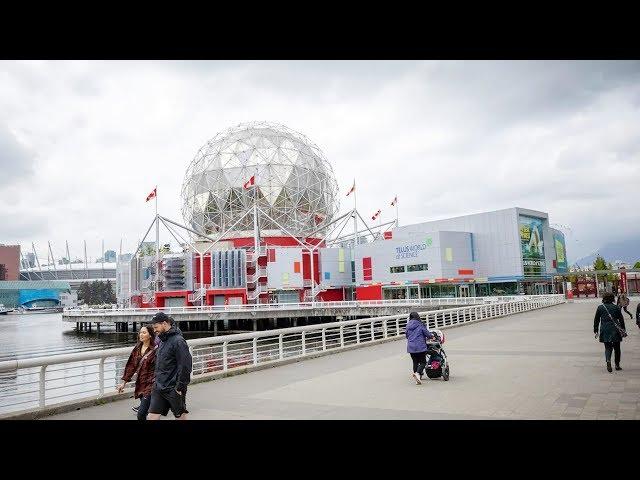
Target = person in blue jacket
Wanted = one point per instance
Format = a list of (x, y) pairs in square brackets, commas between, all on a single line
[(417, 335)]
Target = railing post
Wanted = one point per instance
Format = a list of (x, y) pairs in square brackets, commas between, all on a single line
[(280, 349), (255, 350), (384, 329), (224, 357), (43, 370), (304, 343), (324, 339), (101, 376), (372, 334), (342, 335), (397, 327), (357, 333)]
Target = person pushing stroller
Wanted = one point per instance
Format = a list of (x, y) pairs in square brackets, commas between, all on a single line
[(417, 335)]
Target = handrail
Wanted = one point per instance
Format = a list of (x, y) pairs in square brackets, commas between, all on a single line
[(223, 353), (302, 305)]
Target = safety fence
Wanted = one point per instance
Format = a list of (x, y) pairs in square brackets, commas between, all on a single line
[(45, 381)]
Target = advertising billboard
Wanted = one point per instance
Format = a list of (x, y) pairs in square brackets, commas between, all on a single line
[(561, 252), (532, 246)]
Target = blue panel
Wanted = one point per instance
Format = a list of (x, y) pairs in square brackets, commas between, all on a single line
[(473, 255), (327, 275), (27, 296)]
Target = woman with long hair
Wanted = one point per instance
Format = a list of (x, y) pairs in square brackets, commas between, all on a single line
[(606, 315), (143, 362)]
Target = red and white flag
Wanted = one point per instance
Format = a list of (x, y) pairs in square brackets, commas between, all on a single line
[(375, 215), (352, 188), (250, 182), (152, 194), (395, 200)]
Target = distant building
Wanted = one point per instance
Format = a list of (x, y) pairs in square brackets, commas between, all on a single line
[(9, 262), (110, 256), (74, 273), (31, 260), (40, 293)]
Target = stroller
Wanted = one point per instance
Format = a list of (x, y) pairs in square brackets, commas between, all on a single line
[(437, 364)]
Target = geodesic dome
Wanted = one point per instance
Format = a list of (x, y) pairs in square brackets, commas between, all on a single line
[(294, 183)]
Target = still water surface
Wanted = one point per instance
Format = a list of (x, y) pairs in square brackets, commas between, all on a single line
[(37, 335)]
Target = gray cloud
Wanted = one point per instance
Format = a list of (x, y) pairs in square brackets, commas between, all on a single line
[(450, 138), (16, 161)]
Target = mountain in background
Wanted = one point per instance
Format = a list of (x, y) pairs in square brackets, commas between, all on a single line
[(626, 251)]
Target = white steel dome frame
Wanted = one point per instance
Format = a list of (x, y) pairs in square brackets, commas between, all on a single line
[(294, 183)]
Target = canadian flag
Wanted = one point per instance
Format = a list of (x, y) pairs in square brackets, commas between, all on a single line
[(395, 200), (352, 188), (250, 182), (375, 215), (152, 194)]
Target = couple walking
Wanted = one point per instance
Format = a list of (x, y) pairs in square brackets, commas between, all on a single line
[(162, 360)]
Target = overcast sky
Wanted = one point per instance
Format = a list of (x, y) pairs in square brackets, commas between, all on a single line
[(83, 143)]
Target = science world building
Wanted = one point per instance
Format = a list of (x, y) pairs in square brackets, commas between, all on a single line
[(260, 203)]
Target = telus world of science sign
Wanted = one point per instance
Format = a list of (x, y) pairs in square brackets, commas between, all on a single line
[(532, 245)]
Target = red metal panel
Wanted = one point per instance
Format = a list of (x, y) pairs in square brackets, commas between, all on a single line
[(465, 272), (369, 292), (366, 268), (296, 267), (332, 295)]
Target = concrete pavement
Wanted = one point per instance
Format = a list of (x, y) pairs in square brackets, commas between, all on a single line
[(543, 364)]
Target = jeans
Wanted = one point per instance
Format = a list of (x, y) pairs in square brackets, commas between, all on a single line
[(144, 407), (608, 347), (419, 362)]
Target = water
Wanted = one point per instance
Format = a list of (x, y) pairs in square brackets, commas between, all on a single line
[(37, 335)]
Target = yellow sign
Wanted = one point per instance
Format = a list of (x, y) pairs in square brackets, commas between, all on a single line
[(559, 251), (525, 232)]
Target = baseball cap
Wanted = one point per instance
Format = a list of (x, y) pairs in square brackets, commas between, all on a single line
[(161, 317)]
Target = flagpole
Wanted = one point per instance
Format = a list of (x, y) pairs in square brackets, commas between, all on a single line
[(157, 244), (396, 202), (355, 219)]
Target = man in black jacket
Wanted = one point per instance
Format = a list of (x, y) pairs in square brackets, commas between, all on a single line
[(173, 370)]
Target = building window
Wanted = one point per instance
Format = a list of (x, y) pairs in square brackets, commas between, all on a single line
[(418, 267), (397, 269)]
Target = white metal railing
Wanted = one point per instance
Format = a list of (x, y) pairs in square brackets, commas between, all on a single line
[(39, 382), (424, 302)]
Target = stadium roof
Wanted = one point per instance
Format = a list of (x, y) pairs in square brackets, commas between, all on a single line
[(34, 285)]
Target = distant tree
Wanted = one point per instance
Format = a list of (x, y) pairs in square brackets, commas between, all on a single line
[(636, 265), (110, 296), (84, 293), (599, 263), (3, 272)]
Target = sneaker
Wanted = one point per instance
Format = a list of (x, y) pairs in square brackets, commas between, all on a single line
[(618, 367), (418, 379), (135, 409), (609, 367)]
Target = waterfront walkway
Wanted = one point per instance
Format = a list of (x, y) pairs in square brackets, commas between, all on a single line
[(543, 364)]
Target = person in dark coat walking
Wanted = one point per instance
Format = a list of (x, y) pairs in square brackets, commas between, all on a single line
[(638, 315), (173, 370), (417, 335), (623, 303), (609, 334), (143, 362)]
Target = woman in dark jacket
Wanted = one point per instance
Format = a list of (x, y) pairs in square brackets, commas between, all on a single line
[(417, 335), (609, 334), (143, 362)]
